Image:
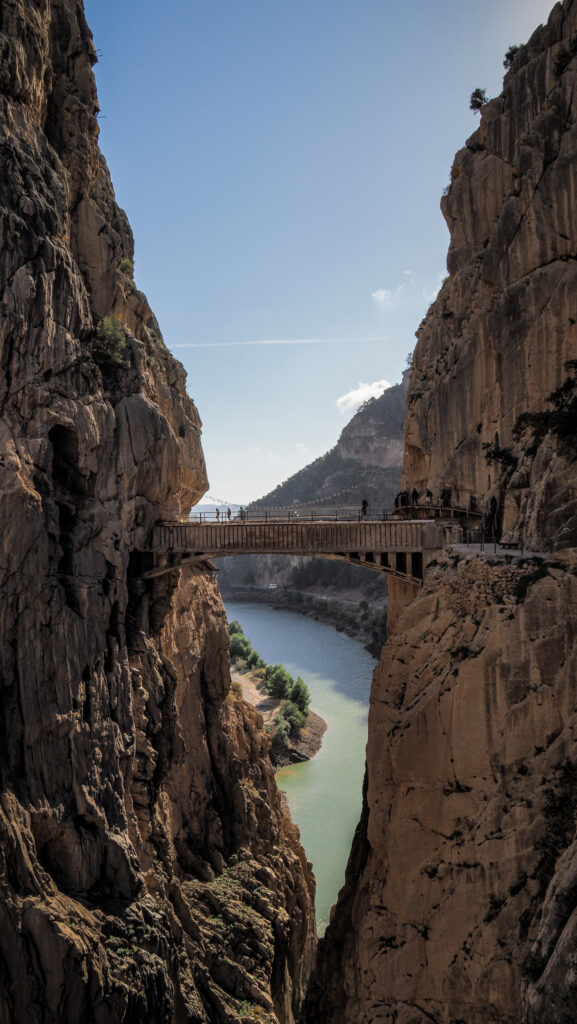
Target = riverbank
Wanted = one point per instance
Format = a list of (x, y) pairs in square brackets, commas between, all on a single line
[(293, 749), (348, 612)]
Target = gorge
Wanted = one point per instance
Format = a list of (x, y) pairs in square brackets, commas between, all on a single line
[(149, 870)]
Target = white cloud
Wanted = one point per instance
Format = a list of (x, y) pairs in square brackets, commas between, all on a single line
[(355, 398), (383, 297), (387, 299)]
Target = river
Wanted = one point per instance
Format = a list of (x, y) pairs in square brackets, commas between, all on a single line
[(325, 794)]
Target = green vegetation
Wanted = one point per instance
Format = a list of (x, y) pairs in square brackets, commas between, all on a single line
[(561, 420), (109, 346), (560, 811), (294, 693), (510, 56), (564, 58), (493, 453), (478, 100), (126, 266)]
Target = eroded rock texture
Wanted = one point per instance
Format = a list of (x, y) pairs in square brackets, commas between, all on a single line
[(147, 870), (460, 902), (494, 344)]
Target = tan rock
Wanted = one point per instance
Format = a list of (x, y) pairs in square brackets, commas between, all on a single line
[(136, 795)]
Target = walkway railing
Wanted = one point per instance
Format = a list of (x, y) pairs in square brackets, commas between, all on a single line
[(335, 513)]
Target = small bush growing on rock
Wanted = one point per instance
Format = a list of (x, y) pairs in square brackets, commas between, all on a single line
[(564, 58), (561, 420), (109, 346), (282, 727), (493, 453), (126, 266), (510, 56), (478, 100)]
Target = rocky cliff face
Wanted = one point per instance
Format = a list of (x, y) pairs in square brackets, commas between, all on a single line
[(148, 870), (495, 343), (459, 905)]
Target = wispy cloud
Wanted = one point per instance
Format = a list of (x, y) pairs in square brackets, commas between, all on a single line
[(388, 298), (261, 456), (383, 297), (355, 398), (430, 294), (276, 341)]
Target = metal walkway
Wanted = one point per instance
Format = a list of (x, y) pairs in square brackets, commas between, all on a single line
[(400, 547)]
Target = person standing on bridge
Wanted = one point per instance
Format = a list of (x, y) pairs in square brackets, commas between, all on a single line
[(228, 514), (217, 514), (414, 496), (364, 507)]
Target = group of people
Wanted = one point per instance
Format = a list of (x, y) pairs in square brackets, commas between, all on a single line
[(404, 499)]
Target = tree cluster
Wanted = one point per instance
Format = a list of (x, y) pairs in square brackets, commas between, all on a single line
[(278, 682)]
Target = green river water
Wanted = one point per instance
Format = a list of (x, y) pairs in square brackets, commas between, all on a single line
[(325, 794)]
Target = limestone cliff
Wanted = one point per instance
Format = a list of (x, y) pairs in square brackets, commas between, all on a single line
[(147, 869), (459, 905), (495, 343)]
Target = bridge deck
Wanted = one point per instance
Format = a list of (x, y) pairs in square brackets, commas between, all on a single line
[(231, 538), (399, 547)]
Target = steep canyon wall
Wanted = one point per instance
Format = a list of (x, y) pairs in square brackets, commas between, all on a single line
[(148, 871), (459, 905)]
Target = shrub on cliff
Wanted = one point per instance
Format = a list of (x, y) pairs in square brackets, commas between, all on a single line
[(561, 420), (109, 347), (510, 56), (478, 100), (126, 266)]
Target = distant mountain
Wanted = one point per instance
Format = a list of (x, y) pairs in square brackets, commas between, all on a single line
[(365, 462)]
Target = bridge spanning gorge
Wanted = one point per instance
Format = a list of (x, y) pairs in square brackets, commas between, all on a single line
[(400, 548)]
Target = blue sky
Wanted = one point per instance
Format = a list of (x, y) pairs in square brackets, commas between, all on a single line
[(281, 165)]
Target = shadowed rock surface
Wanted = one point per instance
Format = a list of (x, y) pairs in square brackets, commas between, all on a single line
[(148, 871), (495, 344), (460, 902)]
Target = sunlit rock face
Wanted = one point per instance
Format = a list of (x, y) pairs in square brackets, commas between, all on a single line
[(459, 905), (148, 871), (495, 343)]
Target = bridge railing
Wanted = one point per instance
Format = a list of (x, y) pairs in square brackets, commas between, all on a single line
[(337, 513)]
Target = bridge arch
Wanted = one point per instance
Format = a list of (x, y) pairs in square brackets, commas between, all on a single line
[(401, 548)]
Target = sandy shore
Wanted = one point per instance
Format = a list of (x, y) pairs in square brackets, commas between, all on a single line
[(300, 747)]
